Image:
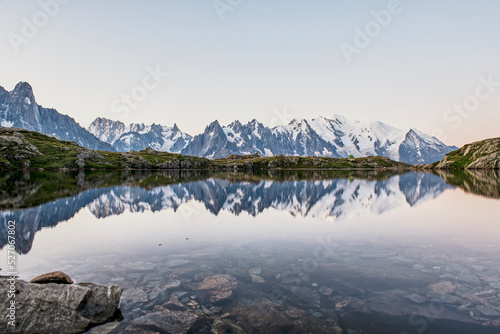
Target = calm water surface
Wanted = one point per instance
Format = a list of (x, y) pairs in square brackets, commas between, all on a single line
[(366, 252)]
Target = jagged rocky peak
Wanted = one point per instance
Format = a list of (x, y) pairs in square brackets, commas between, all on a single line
[(104, 120), (214, 127), (156, 127), (23, 90), (22, 97), (106, 130), (138, 136), (105, 123), (19, 109), (254, 124), (214, 123), (236, 126)]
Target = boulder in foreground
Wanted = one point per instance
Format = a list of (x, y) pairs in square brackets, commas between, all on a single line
[(57, 277), (58, 308)]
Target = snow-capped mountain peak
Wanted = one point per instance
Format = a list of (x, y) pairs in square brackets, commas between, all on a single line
[(336, 136), (19, 108), (138, 136)]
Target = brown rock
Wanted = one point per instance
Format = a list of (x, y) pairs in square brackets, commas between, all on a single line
[(218, 287), (445, 287), (326, 290), (57, 277)]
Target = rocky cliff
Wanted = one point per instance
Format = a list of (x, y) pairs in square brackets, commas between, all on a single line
[(483, 154), (19, 108)]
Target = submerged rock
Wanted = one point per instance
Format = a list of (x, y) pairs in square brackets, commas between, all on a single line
[(254, 271), (168, 321), (326, 290), (487, 311), (416, 298), (136, 294), (177, 263), (304, 296), (140, 266), (58, 308), (222, 325), (445, 287), (495, 285), (257, 279), (218, 287)]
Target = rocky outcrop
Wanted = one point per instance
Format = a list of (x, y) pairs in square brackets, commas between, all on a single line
[(479, 155), (135, 162), (57, 308), (16, 148), (22, 149), (253, 161)]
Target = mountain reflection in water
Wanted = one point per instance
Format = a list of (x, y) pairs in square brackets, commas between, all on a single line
[(386, 265), (329, 199)]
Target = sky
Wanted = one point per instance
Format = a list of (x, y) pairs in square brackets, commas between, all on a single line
[(419, 64)]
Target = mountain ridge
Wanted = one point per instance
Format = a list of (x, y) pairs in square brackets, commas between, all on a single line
[(18, 108), (339, 137), (335, 137)]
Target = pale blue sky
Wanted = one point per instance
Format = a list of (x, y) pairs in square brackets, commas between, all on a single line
[(264, 56)]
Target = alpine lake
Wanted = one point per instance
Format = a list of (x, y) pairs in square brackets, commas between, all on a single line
[(289, 251)]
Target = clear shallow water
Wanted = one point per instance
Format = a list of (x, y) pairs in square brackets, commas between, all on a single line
[(374, 253)]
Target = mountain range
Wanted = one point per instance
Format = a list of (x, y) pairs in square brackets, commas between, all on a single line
[(19, 109), (336, 136)]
